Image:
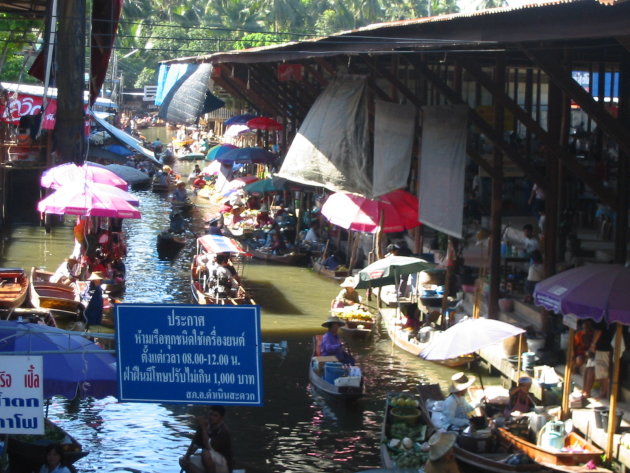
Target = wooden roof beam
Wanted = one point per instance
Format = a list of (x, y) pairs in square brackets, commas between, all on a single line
[(525, 118), (282, 90), (562, 78), (260, 78), (478, 121), (235, 92), (263, 104)]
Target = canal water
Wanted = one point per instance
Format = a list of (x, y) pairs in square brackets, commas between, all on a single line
[(296, 430)]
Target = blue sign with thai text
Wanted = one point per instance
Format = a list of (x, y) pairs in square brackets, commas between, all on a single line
[(193, 354)]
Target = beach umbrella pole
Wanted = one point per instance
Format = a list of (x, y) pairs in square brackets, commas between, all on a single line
[(612, 415), (568, 371)]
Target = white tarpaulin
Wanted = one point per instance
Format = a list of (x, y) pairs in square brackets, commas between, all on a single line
[(393, 141), (331, 147), (442, 166)]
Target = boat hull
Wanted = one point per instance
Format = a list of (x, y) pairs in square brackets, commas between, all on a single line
[(344, 393), (13, 287), (319, 268), (55, 296)]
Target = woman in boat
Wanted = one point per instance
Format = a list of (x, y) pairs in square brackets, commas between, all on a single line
[(348, 296), (331, 343), (441, 455), (180, 194), (67, 272), (54, 460), (215, 441), (456, 409), (93, 300), (520, 398)]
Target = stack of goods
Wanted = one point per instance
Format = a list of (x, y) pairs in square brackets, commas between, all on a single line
[(405, 434)]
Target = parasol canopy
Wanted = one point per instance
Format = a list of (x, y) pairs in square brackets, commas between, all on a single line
[(219, 244), (70, 173), (264, 123), (466, 337), (219, 150), (595, 291), (239, 119), (87, 201), (247, 155), (398, 209), (72, 364), (271, 184), (387, 271)]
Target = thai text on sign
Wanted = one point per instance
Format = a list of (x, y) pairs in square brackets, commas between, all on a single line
[(21, 395), (189, 354)]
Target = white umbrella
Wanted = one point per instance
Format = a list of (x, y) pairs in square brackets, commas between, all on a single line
[(466, 337)]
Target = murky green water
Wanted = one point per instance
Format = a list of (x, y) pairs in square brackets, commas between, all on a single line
[(295, 431)]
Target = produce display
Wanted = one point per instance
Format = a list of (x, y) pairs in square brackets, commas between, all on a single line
[(406, 439), (354, 314)]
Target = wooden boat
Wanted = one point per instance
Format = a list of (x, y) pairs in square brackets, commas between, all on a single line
[(348, 388), (493, 460), (207, 247), (319, 268), (407, 340), (416, 426), (169, 244), (13, 287), (162, 183), (52, 295), (359, 322), (291, 258), (32, 315), (182, 206), (28, 452), (578, 450)]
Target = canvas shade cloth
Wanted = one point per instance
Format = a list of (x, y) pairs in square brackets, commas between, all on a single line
[(331, 148), (72, 364), (70, 173), (393, 141), (387, 271), (398, 211), (468, 336), (442, 167), (219, 244)]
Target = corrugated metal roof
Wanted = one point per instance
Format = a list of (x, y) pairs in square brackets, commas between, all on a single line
[(557, 19)]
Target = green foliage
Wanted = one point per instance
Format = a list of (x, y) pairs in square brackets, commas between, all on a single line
[(146, 77), (253, 40)]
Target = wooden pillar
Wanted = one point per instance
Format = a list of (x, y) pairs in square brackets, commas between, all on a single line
[(614, 390), (623, 169), (566, 386), (497, 195), (555, 118), (70, 122)]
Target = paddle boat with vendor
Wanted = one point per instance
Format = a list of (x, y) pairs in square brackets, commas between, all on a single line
[(215, 272)]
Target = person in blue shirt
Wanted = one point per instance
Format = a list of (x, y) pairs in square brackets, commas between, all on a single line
[(331, 343)]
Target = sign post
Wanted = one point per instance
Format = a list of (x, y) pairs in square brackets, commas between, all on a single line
[(22, 395), (189, 354)]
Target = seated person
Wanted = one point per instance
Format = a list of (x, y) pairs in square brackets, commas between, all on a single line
[(348, 296), (221, 279), (333, 261), (215, 441), (199, 182), (582, 340), (178, 224), (456, 409), (180, 194), (278, 246), (312, 235), (520, 398), (263, 218), (331, 343), (67, 272)]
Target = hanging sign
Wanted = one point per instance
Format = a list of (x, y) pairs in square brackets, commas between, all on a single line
[(189, 354), (21, 395)]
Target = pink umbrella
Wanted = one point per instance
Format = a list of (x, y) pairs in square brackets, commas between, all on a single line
[(212, 169), (70, 173), (399, 210), (88, 201), (264, 123)]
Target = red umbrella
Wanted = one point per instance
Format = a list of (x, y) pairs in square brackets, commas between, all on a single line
[(264, 123), (399, 210)]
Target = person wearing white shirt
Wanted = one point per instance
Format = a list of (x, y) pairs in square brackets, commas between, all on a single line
[(456, 410)]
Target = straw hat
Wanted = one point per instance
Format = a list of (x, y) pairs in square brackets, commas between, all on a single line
[(460, 382), (349, 282), (96, 276), (166, 168), (440, 443), (333, 320)]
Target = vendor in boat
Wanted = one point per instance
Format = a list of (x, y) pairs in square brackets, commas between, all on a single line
[(456, 409), (331, 343), (263, 218), (54, 460), (520, 397), (92, 297), (180, 194), (348, 296), (215, 441), (441, 454), (67, 272), (178, 224)]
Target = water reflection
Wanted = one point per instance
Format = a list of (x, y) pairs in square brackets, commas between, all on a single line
[(297, 430)]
